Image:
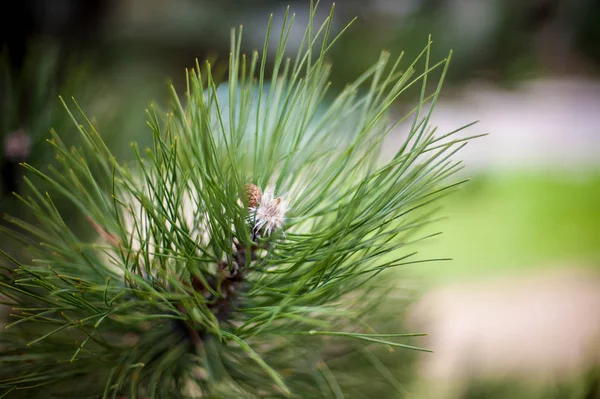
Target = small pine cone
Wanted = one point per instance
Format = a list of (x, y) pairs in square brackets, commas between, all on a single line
[(253, 195)]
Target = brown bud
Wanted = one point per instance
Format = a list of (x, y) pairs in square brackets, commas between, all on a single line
[(253, 194)]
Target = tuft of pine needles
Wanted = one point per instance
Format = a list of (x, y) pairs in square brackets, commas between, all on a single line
[(185, 292)]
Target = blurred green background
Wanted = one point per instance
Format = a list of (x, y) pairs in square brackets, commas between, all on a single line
[(511, 222), (528, 70)]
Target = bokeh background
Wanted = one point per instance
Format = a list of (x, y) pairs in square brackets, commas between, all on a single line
[(517, 311)]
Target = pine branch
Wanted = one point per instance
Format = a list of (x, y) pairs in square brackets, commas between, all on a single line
[(239, 253)]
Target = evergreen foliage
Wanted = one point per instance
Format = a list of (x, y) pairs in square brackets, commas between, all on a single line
[(182, 293)]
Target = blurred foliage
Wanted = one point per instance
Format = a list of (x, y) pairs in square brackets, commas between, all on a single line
[(587, 31), (28, 95), (586, 387), (501, 40), (29, 102), (513, 222)]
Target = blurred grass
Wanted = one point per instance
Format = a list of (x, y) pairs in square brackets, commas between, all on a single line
[(512, 222)]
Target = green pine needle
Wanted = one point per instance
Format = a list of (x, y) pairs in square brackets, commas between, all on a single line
[(183, 291)]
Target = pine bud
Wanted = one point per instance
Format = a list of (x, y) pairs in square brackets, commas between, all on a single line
[(253, 195)]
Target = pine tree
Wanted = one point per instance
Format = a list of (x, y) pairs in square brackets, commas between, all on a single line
[(240, 256)]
